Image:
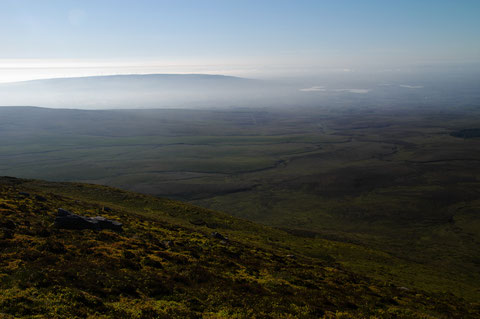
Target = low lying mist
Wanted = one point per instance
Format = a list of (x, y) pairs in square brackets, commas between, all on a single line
[(218, 91)]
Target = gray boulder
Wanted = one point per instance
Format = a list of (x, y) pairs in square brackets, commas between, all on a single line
[(219, 236), (104, 223), (69, 220)]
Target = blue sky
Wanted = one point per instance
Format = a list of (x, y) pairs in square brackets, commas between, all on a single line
[(232, 35)]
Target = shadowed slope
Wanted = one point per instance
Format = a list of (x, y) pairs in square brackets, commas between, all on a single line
[(167, 264)]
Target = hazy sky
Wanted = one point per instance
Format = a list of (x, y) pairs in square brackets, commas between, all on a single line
[(45, 38)]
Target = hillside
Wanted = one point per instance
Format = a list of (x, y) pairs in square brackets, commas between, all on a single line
[(166, 264)]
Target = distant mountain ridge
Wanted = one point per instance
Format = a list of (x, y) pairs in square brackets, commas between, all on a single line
[(132, 91), (137, 77)]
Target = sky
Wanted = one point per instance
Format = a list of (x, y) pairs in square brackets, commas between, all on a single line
[(52, 38)]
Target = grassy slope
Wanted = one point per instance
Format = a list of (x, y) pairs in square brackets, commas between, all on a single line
[(46, 272)]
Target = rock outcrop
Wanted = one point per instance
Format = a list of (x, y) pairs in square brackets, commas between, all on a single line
[(69, 220), (219, 236)]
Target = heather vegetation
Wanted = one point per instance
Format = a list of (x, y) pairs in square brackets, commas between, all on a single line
[(167, 264)]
